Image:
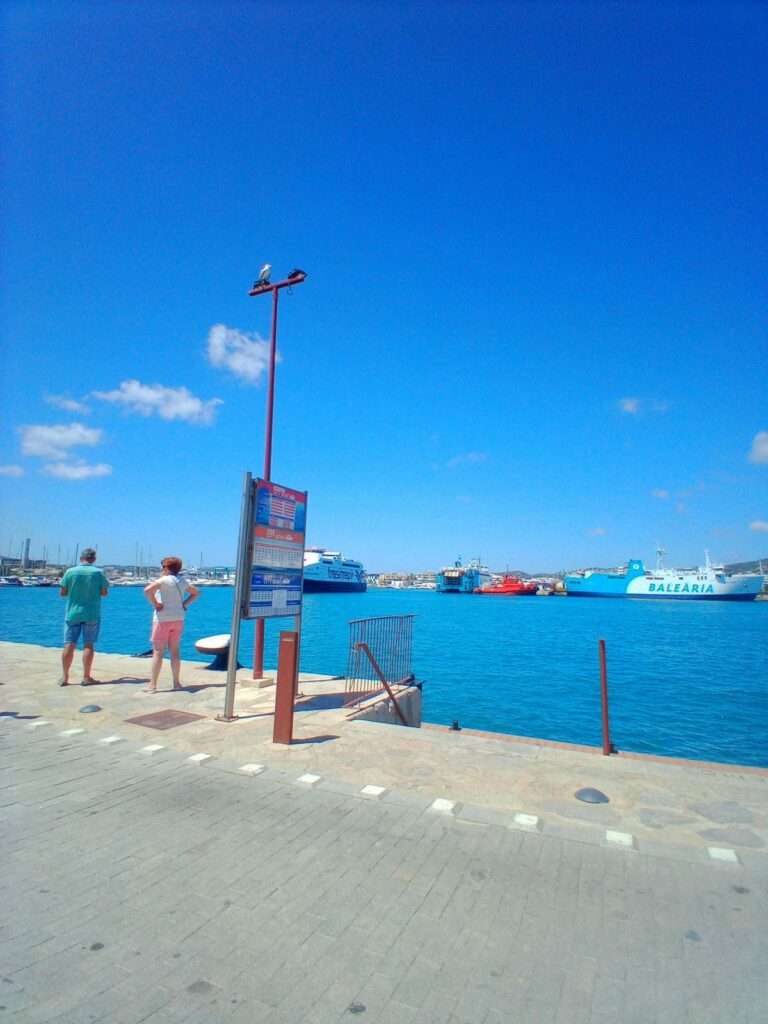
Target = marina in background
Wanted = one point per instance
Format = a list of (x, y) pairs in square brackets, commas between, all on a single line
[(327, 571)]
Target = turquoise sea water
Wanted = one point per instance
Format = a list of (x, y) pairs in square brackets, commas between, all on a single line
[(685, 680)]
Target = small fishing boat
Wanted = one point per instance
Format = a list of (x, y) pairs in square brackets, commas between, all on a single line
[(509, 586)]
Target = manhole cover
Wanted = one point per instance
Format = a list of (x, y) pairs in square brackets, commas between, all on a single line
[(591, 796), (168, 719)]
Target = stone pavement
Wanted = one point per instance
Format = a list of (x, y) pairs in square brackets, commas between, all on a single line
[(139, 886), (657, 805)]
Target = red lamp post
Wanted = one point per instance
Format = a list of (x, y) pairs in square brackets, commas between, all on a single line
[(261, 287)]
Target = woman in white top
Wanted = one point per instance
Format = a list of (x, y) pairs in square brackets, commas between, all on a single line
[(170, 596)]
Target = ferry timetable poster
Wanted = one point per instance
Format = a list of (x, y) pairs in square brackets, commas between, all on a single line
[(277, 545)]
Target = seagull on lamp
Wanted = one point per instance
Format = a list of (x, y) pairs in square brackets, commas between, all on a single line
[(264, 275), (295, 274)]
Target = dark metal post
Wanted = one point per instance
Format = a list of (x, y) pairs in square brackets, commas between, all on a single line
[(271, 388), (607, 747), (242, 582), (258, 636)]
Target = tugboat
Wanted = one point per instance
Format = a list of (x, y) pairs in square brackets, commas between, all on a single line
[(509, 586), (462, 579)]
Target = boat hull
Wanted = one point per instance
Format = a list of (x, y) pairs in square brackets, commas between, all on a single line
[(507, 593), (705, 584), (333, 586), (664, 597)]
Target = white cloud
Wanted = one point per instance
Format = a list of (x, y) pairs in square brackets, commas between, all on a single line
[(54, 442), (633, 406), (759, 526), (597, 532), (157, 400), (759, 450), (11, 471), (660, 493), (68, 404), (467, 457), (76, 470), (245, 355), (630, 405)]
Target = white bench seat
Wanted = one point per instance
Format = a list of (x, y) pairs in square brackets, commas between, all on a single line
[(218, 646)]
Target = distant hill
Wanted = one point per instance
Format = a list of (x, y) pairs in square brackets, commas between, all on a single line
[(749, 566)]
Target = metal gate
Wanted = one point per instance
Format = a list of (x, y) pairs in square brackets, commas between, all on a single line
[(380, 652)]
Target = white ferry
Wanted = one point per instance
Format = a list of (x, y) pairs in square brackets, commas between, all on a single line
[(707, 583), (463, 579), (329, 572)]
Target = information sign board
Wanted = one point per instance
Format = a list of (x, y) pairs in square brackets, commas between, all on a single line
[(277, 551)]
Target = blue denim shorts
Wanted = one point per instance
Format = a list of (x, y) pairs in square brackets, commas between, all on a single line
[(89, 630)]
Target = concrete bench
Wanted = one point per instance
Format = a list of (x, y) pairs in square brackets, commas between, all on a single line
[(218, 646)]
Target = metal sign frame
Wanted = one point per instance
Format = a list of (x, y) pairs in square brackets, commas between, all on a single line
[(267, 528), (276, 556)]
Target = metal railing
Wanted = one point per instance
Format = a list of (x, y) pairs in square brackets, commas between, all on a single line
[(380, 651)]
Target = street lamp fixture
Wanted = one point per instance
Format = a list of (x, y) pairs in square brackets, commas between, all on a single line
[(262, 285)]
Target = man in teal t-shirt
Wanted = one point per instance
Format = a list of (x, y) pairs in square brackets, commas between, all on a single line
[(83, 586)]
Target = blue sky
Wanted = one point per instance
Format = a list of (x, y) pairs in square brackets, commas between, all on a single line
[(533, 328)]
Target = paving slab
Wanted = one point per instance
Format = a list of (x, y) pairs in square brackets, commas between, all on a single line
[(136, 889), (658, 801)]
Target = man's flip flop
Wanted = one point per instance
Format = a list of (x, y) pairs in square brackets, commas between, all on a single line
[(62, 682)]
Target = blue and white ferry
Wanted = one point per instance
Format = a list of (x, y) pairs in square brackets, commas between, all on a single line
[(462, 579), (327, 572), (707, 583)]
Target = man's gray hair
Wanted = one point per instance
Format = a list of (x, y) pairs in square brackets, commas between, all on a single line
[(88, 555)]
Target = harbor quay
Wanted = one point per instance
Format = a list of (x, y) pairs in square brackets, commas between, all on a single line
[(183, 869)]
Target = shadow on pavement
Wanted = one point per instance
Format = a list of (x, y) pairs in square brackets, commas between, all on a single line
[(321, 702), (118, 681), (312, 739)]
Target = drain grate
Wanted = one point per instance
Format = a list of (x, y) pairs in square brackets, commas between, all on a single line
[(167, 719)]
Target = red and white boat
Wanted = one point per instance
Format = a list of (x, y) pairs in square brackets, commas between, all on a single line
[(509, 586)]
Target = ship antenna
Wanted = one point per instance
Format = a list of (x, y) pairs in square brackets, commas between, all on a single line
[(660, 552), (707, 563)]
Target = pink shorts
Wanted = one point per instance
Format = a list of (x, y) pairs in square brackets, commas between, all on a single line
[(162, 632)]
